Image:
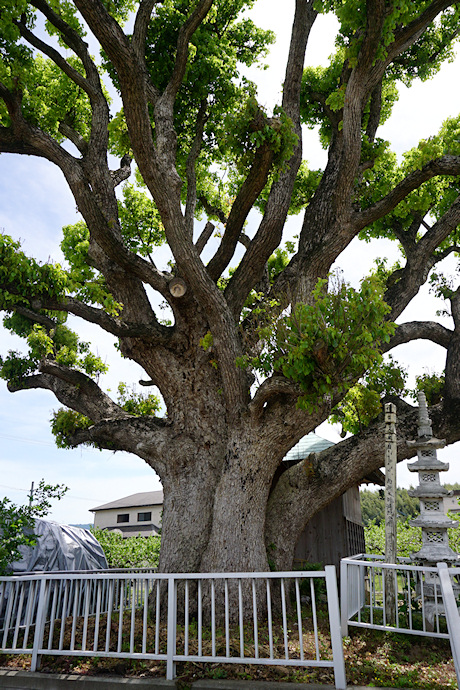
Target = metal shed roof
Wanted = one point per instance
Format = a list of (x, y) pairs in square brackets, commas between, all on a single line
[(311, 443)]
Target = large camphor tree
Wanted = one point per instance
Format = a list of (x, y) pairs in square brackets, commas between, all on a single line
[(262, 343)]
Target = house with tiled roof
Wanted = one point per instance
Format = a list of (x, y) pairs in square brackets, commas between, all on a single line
[(135, 515)]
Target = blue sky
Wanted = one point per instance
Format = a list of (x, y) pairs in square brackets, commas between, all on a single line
[(34, 205)]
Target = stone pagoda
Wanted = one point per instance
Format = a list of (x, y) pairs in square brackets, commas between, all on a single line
[(433, 519)]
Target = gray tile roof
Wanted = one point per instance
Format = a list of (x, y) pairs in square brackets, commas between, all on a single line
[(147, 498)]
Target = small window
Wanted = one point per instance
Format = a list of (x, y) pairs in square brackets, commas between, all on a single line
[(144, 517), (123, 517)]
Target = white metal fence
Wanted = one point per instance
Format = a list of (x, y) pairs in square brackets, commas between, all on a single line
[(446, 576), (420, 606), (427, 599), (255, 618)]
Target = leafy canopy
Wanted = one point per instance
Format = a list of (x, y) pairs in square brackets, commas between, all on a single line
[(325, 346), (363, 401)]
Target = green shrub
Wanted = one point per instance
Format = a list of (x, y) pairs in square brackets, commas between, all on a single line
[(132, 552), (409, 539)]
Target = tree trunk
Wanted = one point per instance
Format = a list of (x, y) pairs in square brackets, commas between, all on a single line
[(236, 540), (186, 521)]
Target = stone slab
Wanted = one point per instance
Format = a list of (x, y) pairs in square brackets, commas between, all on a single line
[(25, 680)]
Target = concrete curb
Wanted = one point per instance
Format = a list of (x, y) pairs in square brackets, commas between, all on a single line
[(25, 680), (210, 684)]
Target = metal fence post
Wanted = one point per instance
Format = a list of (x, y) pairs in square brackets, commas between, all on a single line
[(39, 626), (344, 596), (334, 623), (451, 611), (172, 623)]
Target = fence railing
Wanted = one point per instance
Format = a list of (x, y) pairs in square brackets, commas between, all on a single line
[(365, 596), (446, 576), (427, 599), (244, 618)]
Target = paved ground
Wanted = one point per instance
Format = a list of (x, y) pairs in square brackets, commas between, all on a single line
[(24, 680)]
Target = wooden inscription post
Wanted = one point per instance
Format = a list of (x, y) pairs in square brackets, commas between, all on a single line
[(390, 512)]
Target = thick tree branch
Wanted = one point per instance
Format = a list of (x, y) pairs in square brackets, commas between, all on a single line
[(331, 206), (272, 387), (73, 389), (409, 34), (71, 38), (376, 11), (156, 161), (159, 334), (127, 60), (446, 252), (55, 56), (77, 140), (440, 230), (418, 330), (35, 318), (166, 138), (113, 428), (420, 260), (452, 371), (107, 234), (212, 210), (434, 56), (92, 186), (269, 233), (249, 192), (205, 236), (107, 31), (9, 143), (304, 18), (100, 114), (157, 166), (375, 111), (143, 436), (123, 172), (190, 205), (334, 117), (91, 198), (141, 25), (22, 137), (185, 34), (447, 165)]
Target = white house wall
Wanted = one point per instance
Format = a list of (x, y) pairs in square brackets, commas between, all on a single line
[(108, 518)]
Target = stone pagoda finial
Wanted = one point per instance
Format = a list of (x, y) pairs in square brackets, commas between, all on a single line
[(424, 422)]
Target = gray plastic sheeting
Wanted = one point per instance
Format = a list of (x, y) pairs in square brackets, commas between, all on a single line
[(60, 547)]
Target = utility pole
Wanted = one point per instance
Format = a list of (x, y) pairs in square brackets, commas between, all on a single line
[(31, 495), (390, 511)]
